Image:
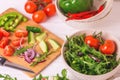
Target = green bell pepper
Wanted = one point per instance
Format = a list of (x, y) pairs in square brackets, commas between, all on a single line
[(75, 6)]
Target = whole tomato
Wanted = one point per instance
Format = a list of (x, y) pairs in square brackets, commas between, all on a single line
[(108, 47), (92, 42), (50, 10), (30, 7), (9, 50), (39, 16)]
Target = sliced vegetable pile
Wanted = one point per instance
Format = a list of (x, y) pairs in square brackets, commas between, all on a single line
[(78, 9), (91, 54), (57, 77), (9, 21), (40, 9), (33, 36)]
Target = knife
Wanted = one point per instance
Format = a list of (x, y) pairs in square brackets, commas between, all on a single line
[(4, 62)]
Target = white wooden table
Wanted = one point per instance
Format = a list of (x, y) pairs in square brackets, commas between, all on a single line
[(57, 26)]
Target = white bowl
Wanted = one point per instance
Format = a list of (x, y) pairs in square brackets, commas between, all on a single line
[(85, 22), (105, 76)]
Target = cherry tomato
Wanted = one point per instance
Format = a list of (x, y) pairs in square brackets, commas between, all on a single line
[(92, 42), (47, 1), (108, 47), (4, 42), (16, 42), (1, 35), (30, 7), (39, 16), (9, 50), (21, 33), (5, 33), (50, 10)]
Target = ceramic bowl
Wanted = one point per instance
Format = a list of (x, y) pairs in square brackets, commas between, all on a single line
[(85, 22), (81, 76)]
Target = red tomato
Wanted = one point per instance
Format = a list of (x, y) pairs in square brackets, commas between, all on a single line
[(21, 33), (1, 35), (8, 51), (30, 7), (16, 42), (4, 42), (92, 42), (5, 33), (50, 10), (47, 1), (39, 16), (44, 79), (108, 47)]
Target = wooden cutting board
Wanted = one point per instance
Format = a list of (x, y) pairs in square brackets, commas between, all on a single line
[(21, 61)]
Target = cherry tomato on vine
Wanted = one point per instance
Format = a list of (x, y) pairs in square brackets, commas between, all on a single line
[(50, 10), (92, 42), (8, 51), (39, 16), (30, 7), (108, 47)]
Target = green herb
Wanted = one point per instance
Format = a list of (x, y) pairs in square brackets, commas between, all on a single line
[(7, 77), (21, 50), (41, 58), (85, 64), (57, 77)]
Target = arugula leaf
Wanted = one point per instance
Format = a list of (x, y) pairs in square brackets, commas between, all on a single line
[(21, 50), (7, 77)]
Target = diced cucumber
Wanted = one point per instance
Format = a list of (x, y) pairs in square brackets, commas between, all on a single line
[(41, 36), (54, 44), (43, 46), (31, 39)]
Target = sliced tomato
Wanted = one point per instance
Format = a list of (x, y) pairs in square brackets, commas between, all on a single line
[(4, 42), (9, 50), (5, 33), (16, 42), (21, 33), (1, 35)]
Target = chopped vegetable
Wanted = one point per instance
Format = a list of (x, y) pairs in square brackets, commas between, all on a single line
[(43, 46), (54, 44), (21, 33), (21, 50), (90, 61), (29, 55), (8, 51), (33, 29), (4, 42), (11, 20), (31, 38), (41, 37)]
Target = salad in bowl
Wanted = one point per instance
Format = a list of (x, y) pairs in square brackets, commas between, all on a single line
[(91, 54)]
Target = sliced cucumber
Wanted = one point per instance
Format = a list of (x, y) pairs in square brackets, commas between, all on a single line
[(54, 44), (31, 39), (43, 46), (55, 78), (41, 36)]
